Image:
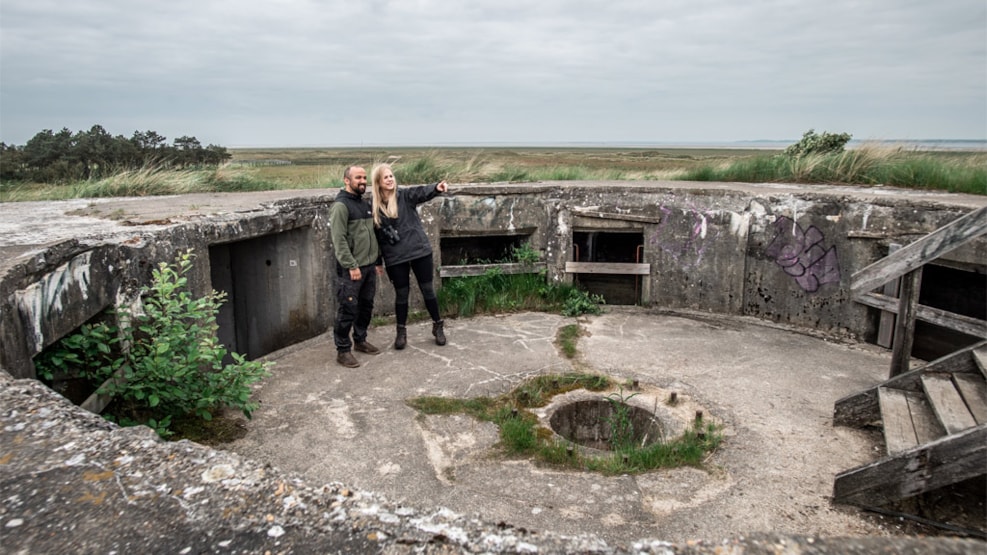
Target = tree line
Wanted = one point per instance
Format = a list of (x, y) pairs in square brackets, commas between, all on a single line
[(51, 157)]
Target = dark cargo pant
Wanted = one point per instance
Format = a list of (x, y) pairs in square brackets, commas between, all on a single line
[(354, 306)]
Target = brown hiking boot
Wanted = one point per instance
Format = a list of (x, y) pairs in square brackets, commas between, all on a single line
[(346, 358), (440, 336), (366, 347), (402, 338)]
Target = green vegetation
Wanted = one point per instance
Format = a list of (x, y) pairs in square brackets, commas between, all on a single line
[(67, 157), (567, 337), (163, 363), (521, 435), (814, 143), (954, 172), (497, 292), (619, 421), (65, 165)]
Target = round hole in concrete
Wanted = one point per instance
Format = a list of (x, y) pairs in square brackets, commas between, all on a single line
[(588, 423)]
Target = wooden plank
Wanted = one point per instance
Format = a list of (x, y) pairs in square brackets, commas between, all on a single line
[(622, 268), (947, 403), (980, 358), (943, 318), (480, 269), (927, 426), (973, 388), (862, 409), (916, 254), (899, 433), (885, 328), (904, 327), (946, 461)]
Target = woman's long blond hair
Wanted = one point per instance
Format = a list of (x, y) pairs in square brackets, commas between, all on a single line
[(389, 209)]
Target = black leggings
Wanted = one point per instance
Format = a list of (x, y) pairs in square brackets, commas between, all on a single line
[(400, 275)]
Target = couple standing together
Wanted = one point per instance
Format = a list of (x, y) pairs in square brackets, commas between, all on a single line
[(365, 237)]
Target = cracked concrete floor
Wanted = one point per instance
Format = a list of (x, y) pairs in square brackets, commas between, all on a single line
[(772, 388)]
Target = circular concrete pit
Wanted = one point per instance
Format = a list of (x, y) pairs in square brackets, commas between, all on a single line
[(597, 424)]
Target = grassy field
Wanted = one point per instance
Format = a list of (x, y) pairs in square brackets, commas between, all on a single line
[(466, 165), (306, 168)]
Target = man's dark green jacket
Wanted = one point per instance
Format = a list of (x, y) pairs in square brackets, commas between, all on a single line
[(351, 226)]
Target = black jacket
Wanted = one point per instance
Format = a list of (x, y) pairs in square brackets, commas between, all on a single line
[(412, 242)]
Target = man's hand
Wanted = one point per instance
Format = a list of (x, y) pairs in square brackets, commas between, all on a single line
[(355, 274), (380, 270)]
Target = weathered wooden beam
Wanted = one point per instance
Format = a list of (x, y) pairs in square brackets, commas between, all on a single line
[(885, 328), (480, 269), (904, 327), (956, 322), (916, 254), (946, 461), (623, 268), (616, 216)]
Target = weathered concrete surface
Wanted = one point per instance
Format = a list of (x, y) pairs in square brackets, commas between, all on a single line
[(325, 436), (67, 478), (72, 482)]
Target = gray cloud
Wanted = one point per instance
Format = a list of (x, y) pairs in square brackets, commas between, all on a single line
[(300, 72)]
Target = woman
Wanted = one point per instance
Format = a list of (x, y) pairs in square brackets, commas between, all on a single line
[(405, 247)]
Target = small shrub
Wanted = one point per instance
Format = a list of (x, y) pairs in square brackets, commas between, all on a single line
[(814, 143), (162, 363)]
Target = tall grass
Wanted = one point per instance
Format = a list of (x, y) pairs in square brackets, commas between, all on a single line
[(322, 168), (863, 166)]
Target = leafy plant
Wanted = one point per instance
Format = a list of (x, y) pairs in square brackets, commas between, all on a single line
[(163, 362), (579, 302)]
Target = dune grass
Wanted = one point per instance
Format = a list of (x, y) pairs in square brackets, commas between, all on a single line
[(868, 166), (308, 168)]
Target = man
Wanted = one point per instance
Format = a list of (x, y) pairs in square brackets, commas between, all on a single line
[(355, 246)]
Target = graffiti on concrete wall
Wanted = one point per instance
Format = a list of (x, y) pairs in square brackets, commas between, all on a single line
[(686, 249), (802, 255)]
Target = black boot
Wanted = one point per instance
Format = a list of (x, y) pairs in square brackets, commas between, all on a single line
[(440, 336), (402, 338)]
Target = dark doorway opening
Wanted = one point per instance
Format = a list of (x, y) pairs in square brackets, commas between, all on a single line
[(609, 246), (955, 290), (274, 293)]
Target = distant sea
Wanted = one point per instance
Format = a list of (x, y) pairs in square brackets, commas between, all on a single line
[(767, 144)]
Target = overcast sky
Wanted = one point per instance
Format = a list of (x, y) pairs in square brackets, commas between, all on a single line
[(436, 72)]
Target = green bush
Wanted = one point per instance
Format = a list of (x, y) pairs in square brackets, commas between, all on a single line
[(814, 143), (164, 362)]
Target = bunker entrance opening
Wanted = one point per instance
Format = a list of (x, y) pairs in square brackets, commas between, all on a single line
[(959, 290), (609, 247), (601, 424), (273, 300)]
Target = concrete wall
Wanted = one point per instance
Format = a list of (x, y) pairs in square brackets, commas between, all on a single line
[(779, 252)]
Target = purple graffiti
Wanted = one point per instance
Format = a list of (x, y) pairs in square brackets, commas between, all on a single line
[(686, 250), (802, 255)]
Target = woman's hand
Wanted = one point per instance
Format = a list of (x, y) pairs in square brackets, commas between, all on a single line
[(442, 187)]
